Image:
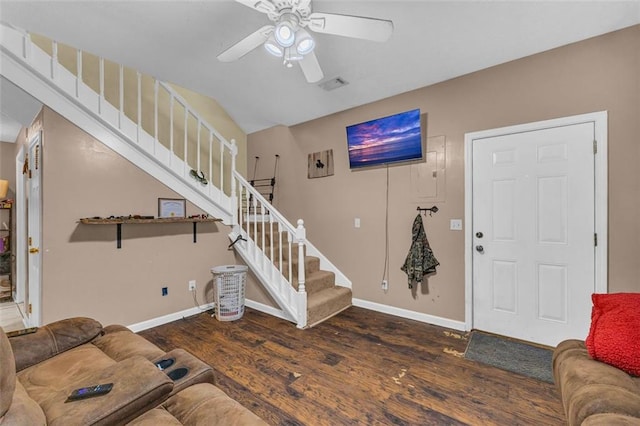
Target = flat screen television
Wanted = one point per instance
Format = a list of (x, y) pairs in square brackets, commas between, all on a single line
[(392, 139)]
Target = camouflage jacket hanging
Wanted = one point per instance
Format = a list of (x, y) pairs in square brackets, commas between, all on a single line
[(420, 260)]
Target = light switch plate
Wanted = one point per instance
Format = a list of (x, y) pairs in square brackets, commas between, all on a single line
[(455, 225)]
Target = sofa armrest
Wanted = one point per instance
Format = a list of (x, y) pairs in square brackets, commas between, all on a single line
[(138, 386), (52, 339)]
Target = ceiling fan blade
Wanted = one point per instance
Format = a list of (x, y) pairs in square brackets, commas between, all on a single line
[(246, 45), (311, 68), (259, 5), (351, 26)]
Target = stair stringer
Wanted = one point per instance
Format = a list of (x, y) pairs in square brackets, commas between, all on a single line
[(101, 119)]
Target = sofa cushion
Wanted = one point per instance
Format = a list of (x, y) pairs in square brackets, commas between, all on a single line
[(614, 337), (23, 410), (52, 339), (44, 380), (205, 404), (7, 374), (121, 343), (610, 419), (155, 417), (138, 386)]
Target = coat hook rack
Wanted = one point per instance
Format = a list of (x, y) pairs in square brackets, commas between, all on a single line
[(431, 210)]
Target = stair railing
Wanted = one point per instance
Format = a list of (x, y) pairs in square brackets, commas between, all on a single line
[(207, 153), (270, 243)]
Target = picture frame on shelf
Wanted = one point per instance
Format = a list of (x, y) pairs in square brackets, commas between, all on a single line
[(172, 207)]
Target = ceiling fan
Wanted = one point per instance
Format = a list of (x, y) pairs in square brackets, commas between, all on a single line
[(288, 38)]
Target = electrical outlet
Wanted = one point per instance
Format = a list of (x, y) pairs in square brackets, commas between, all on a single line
[(455, 224), (165, 291), (192, 285), (385, 285)]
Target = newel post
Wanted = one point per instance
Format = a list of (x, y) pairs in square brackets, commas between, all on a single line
[(301, 236)]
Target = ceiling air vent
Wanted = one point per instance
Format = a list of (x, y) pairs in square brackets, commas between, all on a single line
[(334, 83)]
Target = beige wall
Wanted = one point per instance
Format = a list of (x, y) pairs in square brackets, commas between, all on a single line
[(83, 272), (594, 75)]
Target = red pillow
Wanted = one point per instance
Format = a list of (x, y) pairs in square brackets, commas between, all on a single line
[(614, 336)]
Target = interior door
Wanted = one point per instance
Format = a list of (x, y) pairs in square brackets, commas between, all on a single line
[(34, 230), (533, 233)]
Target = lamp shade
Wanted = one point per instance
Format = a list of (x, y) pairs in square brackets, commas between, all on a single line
[(304, 42), (4, 188), (273, 47), (284, 33)]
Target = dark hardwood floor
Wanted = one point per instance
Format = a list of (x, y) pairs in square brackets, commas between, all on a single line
[(358, 368)]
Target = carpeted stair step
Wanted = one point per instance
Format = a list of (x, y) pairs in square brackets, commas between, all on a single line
[(317, 281), (327, 303), (311, 265)]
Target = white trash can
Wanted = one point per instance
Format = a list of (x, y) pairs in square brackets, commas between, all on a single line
[(229, 282)]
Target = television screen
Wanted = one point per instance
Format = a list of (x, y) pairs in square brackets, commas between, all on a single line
[(385, 140)]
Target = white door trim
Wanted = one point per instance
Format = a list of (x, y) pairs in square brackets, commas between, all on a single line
[(601, 196), (35, 283)]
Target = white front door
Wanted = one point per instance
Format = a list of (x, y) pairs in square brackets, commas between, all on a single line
[(34, 231), (533, 233)]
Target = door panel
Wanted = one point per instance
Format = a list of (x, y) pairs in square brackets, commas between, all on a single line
[(534, 205)]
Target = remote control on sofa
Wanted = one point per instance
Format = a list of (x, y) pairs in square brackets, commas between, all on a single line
[(89, 392)]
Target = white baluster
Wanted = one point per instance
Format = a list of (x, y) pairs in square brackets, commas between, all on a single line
[(78, 72), (54, 60), (301, 238), (139, 75), (222, 169), (171, 129), (255, 228), (186, 142), (198, 152), (264, 234), (156, 86), (211, 160), (27, 47), (234, 153), (289, 241), (280, 255), (121, 89), (101, 74)]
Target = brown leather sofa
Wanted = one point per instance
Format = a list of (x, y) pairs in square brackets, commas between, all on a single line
[(594, 393), (38, 371)]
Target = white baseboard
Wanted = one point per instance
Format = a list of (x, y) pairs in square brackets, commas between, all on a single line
[(266, 309), (413, 315), (378, 307), (154, 322)]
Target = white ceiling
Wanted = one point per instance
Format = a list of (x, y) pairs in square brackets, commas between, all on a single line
[(433, 41)]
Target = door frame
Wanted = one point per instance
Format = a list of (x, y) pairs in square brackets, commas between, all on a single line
[(21, 230), (599, 119)]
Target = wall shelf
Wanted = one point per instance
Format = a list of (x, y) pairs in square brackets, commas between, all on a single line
[(132, 220)]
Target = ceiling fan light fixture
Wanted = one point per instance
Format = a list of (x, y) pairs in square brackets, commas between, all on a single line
[(285, 33), (273, 47), (304, 42)]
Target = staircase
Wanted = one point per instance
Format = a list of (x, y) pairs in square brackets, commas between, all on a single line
[(307, 287)]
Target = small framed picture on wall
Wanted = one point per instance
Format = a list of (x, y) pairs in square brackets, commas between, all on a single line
[(172, 207)]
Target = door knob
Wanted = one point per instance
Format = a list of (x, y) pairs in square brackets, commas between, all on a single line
[(479, 234), (33, 250), (480, 249)]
